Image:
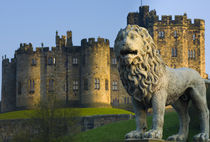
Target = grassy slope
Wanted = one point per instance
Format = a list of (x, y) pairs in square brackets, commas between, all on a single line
[(116, 131), (76, 111)]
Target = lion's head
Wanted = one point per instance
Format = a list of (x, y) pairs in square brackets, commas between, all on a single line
[(139, 63)]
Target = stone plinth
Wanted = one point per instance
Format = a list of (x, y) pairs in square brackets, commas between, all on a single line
[(144, 140)]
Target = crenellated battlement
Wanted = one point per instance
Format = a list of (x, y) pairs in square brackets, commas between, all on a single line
[(180, 20), (25, 48), (92, 42), (146, 15), (199, 23), (7, 61)]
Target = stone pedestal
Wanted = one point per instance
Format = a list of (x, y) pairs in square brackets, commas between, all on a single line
[(145, 140)]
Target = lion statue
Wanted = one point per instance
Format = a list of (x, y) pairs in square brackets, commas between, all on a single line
[(152, 84)]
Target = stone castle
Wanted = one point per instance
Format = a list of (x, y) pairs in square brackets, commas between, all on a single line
[(87, 75)]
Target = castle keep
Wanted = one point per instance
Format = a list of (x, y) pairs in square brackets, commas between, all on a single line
[(87, 75), (180, 42)]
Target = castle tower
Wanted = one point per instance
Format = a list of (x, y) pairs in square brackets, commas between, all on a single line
[(175, 39), (95, 73), (27, 77), (69, 39), (60, 41), (8, 89)]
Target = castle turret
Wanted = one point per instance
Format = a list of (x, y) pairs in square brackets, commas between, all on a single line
[(8, 90), (27, 77), (95, 73), (145, 18), (64, 41), (69, 39)]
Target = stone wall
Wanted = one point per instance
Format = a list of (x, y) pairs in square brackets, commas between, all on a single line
[(10, 128)]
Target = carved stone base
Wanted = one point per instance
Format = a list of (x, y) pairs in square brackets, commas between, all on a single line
[(144, 140)]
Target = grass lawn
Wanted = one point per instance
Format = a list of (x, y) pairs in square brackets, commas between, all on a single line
[(115, 132), (24, 114)]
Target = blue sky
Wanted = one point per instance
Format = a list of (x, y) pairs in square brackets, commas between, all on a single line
[(36, 21)]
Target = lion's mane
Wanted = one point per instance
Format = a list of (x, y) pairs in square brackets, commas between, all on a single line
[(145, 70)]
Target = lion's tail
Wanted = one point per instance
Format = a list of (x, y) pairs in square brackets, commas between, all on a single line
[(207, 81)]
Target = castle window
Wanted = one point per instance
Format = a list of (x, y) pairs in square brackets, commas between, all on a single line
[(106, 84), (175, 34), (85, 84), (51, 60), (114, 86), (97, 83), (198, 52), (33, 63), (114, 61), (194, 36), (193, 54), (174, 52), (51, 85), (19, 88), (75, 61), (75, 85), (161, 34), (32, 86)]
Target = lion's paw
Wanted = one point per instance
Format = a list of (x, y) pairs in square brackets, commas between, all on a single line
[(201, 137), (134, 135), (177, 137), (153, 134)]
